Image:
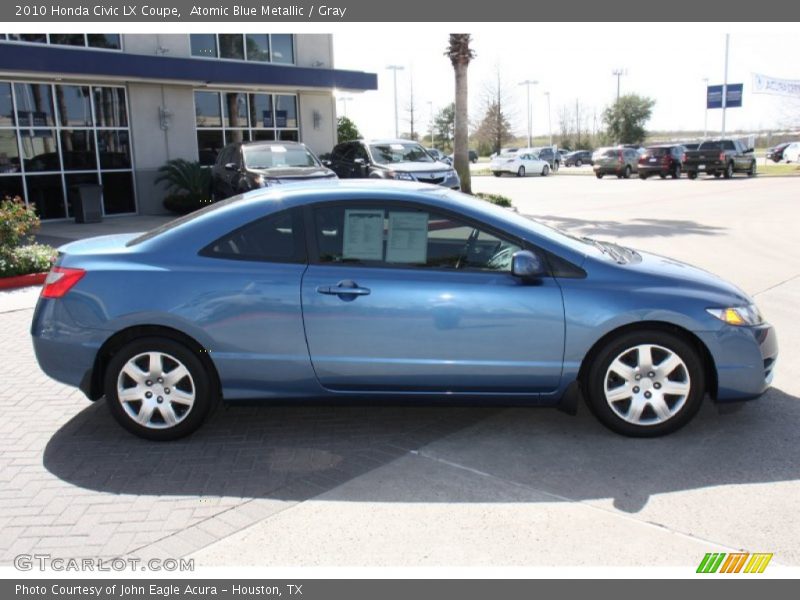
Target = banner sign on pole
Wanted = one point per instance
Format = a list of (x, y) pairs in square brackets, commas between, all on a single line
[(734, 96), (762, 84)]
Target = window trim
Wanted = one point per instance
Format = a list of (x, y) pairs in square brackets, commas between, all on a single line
[(246, 59), (298, 218), (85, 46), (313, 250)]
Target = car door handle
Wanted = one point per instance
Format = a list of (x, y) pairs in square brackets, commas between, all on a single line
[(344, 288)]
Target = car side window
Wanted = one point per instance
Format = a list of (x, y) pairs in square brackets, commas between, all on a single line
[(401, 236), (360, 152), (274, 238)]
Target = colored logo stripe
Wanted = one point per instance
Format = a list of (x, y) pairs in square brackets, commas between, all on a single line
[(721, 562)]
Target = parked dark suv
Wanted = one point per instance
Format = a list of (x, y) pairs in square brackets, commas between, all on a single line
[(391, 159), (662, 160), (578, 158), (246, 166)]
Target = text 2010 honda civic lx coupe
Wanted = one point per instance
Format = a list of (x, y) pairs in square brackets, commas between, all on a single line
[(384, 290)]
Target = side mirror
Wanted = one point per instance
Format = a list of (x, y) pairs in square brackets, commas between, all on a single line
[(327, 163), (360, 161), (526, 265), (231, 167)]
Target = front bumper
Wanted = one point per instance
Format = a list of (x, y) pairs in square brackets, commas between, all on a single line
[(745, 360)]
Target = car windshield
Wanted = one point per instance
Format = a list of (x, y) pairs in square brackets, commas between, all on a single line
[(398, 152), (278, 157)]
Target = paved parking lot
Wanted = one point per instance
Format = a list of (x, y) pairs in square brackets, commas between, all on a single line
[(438, 485)]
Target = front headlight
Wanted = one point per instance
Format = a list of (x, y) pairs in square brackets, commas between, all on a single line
[(401, 175), (738, 315)]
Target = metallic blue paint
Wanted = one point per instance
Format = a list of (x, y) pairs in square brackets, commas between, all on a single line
[(270, 333)]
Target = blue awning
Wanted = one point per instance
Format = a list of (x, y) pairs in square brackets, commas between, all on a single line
[(73, 62)]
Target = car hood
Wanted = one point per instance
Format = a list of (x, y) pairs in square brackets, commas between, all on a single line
[(294, 173), (681, 275), (417, 167)]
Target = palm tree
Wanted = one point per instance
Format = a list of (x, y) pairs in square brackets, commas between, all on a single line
[(460, 54)]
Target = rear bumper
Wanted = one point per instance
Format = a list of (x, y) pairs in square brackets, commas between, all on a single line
[(656, 169), (65, 352), (745, 360), (709, 167)]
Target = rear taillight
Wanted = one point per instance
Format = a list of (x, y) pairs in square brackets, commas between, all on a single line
[(619, 158), (722, 156), (60, 280)]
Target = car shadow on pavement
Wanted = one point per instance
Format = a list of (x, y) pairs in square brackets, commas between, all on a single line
[(293, 453), (631, 228)]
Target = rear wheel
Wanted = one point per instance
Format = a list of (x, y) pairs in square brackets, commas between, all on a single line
[(662, 175), (729, 170), (578, 163), (646, 383), (717, 175), (691, 174), (158, 389), (627, 172), (598, 175), (521, 172), (752, 171), (545, 171), (496, 173), (676, 172), (642, 176)]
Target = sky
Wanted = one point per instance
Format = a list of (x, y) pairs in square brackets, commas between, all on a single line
[(574, 61)]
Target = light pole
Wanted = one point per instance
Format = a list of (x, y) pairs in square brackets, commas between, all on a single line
[(528, 83), (705, 117), (618, 73), (549, 120), (430, 104), (395, 69), (344, 100), (725, 84)]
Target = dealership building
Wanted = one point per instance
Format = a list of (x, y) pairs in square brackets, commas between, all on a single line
[(110, 109)]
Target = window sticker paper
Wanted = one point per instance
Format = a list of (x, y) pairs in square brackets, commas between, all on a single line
[(408, 238), (363, 234)]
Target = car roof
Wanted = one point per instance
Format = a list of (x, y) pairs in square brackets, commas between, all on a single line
[(267, 143), (390, 141)]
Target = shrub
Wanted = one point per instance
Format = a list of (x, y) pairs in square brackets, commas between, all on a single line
[(497, 199), (188, 185), (18, 255), (32, 258), (17, 222)]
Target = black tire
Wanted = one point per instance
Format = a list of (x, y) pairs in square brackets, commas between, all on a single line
[(627, 172), (521, 172), (598, 175), (642, 176), (205, 396), (676, 172), (578, 163), (496, 173), (753, 169), (662, 175), (691, 174), (545, 171), (594, 386), (717, 175), (728, 170)]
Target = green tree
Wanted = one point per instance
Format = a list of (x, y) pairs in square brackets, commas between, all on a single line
[(346, 130), (494, 129), (460, 55), (626, 118), (444, 125)]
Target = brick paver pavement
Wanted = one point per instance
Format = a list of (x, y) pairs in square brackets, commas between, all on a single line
[(74, 484)]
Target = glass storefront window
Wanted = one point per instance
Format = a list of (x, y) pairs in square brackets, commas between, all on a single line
[(235, 109), (257, 46), (261, 111), (74, 107), (64, 135), (68, 39), (206, 108), (283, 48), (209, 143), (231, 46), (34, 104), (203, 44), (109, 41), (110, 109), (285, 111)]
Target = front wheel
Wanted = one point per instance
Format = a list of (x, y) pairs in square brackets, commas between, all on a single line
[(598, 175), (627, 173), (545, 171), (578, 163), (521, 172), (158, 389), (645, 383), (642, 176), (676, 172), (691, 174), (496, 173)]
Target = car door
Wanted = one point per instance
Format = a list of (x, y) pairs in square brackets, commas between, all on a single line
[(401, 297), (341, 162)]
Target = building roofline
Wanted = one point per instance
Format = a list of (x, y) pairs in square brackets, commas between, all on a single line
[(87, 63)]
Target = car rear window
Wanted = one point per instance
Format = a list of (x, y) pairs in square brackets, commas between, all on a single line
[(611, 153), (658, 152)]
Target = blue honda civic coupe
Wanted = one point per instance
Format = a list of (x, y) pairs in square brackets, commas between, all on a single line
[(386, 291)]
